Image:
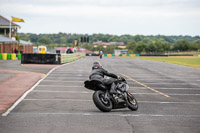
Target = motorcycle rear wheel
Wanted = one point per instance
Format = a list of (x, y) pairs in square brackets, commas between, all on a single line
[(103, 104), (132, 102)]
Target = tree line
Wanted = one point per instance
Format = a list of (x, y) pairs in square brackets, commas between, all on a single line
[(134, 44)]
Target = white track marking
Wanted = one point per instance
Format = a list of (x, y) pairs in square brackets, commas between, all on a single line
[(83, 92), (83, 100), (64, 86), (61, 81), (54, 99), (108, 114)]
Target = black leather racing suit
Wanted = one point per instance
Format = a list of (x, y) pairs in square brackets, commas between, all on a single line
[(98, 74)]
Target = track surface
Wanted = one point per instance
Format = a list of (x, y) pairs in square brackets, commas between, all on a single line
[(60, 103)]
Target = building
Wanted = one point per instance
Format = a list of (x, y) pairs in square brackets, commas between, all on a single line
[(108, 43), (7, 45), (5, 27), (118, 52), (100, 43)]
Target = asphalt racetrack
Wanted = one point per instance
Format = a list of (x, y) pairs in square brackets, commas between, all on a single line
[(168, 97)]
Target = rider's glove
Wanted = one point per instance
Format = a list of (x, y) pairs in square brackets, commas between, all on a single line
[(119, 77)]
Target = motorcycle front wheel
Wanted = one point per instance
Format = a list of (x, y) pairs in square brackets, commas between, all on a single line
[(102, 103), (132, 102)]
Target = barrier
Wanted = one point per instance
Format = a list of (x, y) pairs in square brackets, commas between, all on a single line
[(19, 56), (8, 56), (123, 55), (13, 56), (4, 56), (195, 55), (66, 58), (28, 58), (0, 56), (109, 55)]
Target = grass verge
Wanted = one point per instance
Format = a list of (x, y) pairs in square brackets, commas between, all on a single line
[(190, 61)]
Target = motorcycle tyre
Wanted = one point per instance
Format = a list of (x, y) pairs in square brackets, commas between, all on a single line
[(97, 101), (130, 105)]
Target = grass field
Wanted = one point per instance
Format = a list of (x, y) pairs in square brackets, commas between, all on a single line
[(191, 61)]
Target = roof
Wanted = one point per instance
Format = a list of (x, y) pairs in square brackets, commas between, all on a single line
[(4, 39), (22, 42), (108, 43), (6, 22)]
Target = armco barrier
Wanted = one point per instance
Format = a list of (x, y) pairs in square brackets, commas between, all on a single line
[(27, 58)]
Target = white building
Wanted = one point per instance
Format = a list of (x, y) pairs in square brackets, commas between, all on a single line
[(117, 51)]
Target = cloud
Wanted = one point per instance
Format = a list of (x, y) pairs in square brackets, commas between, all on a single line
[(95, 11), (108, 16)]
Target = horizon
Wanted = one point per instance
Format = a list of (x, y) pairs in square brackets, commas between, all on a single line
[(107, 34)]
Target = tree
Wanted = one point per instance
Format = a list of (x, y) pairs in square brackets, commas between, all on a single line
[(44, 40), (131, 46), (140, 47), (113, 38), (151, 48), (182, 45), (138, 38)]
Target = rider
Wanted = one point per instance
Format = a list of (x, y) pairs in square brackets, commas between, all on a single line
[(98, 74), (100, 54)]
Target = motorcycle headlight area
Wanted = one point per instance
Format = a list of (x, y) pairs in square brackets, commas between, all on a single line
[(123, 87), (127, 87)]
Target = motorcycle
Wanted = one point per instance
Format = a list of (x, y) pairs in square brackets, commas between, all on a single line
[(106, 100)]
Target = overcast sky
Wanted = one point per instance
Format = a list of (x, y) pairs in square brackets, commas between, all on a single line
[(118, 17)]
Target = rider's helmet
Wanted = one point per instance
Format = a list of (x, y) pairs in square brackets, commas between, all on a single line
[(96, 65)]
